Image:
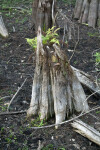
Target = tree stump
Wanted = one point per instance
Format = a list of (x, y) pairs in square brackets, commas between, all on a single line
[(43, 14), (88, 11), (56, 89)]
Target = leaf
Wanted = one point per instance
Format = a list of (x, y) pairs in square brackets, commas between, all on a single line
[(54, 59), (54, 41)]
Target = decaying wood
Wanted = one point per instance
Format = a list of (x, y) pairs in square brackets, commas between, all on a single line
[(87, 81), (87, 131), (12, 113), (88, 11), (56, 88), (43, 14), (3, 30)]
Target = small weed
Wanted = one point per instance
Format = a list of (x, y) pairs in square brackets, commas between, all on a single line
[(11, 137), (37, 122), (12, 3), (49, 38), (11, 92), (24, 148), (61, 148), (51, 147), (97, 55), (4, 108), (2, 130), (75, 62), (48, 147), (8, 140), (96, 34), (97, 112), (24, 19), (69, 2)]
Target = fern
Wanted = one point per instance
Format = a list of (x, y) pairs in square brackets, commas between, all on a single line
[(50, 38)]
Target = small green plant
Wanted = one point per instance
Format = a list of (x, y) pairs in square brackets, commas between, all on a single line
[(97, 55), (69, 2), (8, 140), (97, 112), (24, 148), (48, 147), (96, 34), (49, 38), (4, 108), (11, 137), (2, 130), (61, 148), (75, 62), (37, 122)]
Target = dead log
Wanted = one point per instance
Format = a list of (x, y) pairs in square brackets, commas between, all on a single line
[(3, 30), (56, 88), (88, 12), (86, 80), (86, 131), (43, 14)]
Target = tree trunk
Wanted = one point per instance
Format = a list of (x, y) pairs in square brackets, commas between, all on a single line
[(98, 21), (3, 30), (88, 11), (56, 89), (43, 14)]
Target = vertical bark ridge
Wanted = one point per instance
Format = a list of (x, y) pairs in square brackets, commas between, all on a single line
[(43, 14), (87, 12)]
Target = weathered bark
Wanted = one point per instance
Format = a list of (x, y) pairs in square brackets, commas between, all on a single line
[(87, 81), (56, 89), (3, 30), (87, 11), (98, 21), (78, 8), (87, 131), (93, 12), (43, 14)]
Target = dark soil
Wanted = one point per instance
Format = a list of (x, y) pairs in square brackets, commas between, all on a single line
[(16, 65)]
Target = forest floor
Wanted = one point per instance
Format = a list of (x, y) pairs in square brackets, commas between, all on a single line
[(15, 66)]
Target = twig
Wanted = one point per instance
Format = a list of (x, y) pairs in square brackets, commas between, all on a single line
[(94, 116), (75, 46), (12, 113), (18, 8), (4, 97), (19, 88)]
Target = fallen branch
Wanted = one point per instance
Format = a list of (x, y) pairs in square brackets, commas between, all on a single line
[(86, 80), (87, 131), (1, 98), (16, 94), (13, 113), (18, 8)]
